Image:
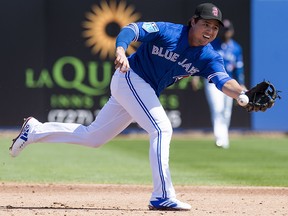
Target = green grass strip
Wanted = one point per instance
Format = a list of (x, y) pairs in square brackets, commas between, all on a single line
[(250, 161)]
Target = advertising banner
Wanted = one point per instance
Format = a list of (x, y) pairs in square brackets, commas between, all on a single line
[(58, 59)]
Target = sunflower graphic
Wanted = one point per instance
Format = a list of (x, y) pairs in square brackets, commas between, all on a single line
[(103, 25)]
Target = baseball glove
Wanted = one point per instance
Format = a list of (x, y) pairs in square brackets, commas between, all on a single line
[(261, 97)]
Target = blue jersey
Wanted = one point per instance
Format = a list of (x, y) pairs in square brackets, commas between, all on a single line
[(233, 59), (165, 55)]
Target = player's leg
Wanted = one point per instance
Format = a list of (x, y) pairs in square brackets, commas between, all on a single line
[(227, 112), (228, 106), (215, 100), (141, 102), (110, 121)]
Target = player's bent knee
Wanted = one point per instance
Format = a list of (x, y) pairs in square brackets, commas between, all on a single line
[(166, 131)]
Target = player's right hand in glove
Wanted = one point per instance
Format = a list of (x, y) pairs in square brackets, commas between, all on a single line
[(261, 97)]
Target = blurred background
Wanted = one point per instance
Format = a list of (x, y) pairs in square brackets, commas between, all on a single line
[(57, 59)]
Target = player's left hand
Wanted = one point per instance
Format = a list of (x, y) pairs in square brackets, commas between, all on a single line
[(261, 97), (121, 60)]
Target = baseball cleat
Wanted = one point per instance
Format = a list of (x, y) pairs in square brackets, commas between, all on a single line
[(171, 204), (21, 141)]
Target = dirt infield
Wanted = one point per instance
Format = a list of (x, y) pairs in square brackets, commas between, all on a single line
[(131, 200)]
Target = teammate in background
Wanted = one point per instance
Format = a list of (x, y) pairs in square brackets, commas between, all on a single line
[(220, 104), (168, 53)]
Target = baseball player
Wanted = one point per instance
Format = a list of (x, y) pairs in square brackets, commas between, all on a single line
[(220, 104), (168, 53)]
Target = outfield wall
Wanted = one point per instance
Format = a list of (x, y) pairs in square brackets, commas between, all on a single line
[(269, 58)]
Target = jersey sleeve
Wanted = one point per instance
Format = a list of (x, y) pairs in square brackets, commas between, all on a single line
[(148, 31), (125, 37), (216, 73), (139, 31)]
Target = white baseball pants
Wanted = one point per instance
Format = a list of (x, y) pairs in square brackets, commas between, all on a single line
[(131, 99), (221, 109)]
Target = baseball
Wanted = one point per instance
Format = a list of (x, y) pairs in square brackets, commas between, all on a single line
[(243, 100)]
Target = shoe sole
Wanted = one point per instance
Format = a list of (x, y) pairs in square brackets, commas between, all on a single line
[(22, 128), (166, 208)]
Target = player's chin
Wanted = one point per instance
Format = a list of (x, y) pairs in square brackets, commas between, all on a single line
[(204, 43)]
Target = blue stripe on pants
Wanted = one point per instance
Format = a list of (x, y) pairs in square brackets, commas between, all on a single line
[(137, 97)]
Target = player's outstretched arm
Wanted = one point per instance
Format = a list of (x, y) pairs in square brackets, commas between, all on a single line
[(232, 89)]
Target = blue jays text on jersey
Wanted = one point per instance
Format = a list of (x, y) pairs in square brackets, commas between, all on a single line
[(169, 55), (165, 55)]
